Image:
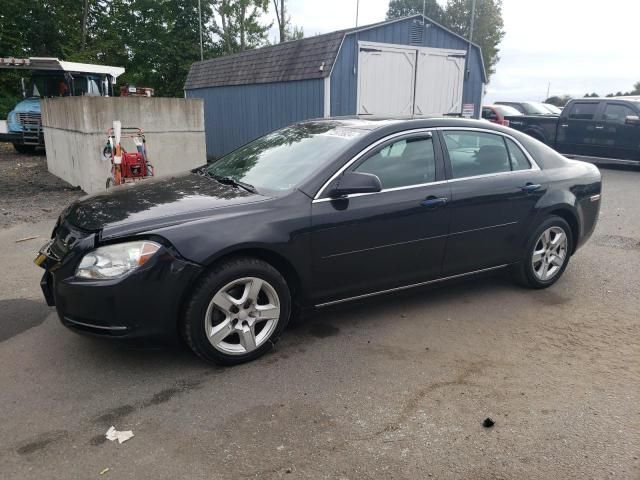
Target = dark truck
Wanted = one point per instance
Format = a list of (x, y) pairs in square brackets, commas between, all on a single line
[(595, 129)]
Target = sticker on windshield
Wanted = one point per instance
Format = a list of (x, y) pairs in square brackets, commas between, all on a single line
[(342, 132)]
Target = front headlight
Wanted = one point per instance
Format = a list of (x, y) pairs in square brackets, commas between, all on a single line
[(116, 260)]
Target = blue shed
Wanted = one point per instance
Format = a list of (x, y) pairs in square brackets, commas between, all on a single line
[(410, 66)]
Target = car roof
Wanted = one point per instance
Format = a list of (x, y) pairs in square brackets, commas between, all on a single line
[(403, 123)]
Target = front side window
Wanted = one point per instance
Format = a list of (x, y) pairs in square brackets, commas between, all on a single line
[(583, 111), (283, 159), (476, 153), (617, 113), (402, 163)]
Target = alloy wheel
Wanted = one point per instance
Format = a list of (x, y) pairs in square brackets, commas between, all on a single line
[(242, 315), (549, 253)]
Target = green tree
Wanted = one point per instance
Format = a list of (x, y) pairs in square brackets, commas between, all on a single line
[(239, 26), (405, 8), (636, 89), (488, 28)]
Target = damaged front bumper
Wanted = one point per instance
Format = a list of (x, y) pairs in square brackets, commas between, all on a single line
[(144, 303)]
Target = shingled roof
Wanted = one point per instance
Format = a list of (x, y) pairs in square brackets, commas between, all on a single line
[(303, 59)]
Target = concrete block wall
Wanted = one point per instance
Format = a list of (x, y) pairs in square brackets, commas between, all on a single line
[(75, 135)]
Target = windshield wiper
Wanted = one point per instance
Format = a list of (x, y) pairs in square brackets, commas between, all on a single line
[(229, 181)]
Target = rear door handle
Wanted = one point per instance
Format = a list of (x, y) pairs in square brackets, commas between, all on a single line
[(599, 127), (433, 202), (564, 125), (530, 187)]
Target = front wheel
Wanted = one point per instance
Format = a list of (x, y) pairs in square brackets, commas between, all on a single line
[(547, 254), (237, 312)]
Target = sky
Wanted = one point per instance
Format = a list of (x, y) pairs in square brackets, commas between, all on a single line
[(576, 46)]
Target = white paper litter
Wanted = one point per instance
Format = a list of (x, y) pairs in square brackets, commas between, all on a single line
[(113, 435)]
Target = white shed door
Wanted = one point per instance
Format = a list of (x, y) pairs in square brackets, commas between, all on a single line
[(386, 77), (439, 81)]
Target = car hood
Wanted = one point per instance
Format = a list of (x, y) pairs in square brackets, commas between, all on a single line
[(154, 203)]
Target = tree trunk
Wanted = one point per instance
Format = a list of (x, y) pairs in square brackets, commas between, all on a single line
[(283, 22)]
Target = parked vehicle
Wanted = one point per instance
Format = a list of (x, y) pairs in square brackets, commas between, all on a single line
[(497, 113), (528, 108), (552, 108), (315, 214), (50, 77), (597, 129)]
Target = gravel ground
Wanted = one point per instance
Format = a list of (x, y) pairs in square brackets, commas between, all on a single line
[(393, 388), (28, 192)]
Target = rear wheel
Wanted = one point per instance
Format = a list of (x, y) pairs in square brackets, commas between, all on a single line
[(547, 254), (237, 312), (24, 148)]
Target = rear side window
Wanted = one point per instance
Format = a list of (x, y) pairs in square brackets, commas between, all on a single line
[(476, 153), (519, 160), (583, 111), (403, 163), (617, 113)]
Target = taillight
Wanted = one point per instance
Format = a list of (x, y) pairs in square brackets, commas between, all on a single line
[(504, 123)]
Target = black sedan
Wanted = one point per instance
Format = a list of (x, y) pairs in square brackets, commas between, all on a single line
[(315, 214)]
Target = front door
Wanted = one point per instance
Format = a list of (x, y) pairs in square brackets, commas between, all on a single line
[(372, 242), (615, 137), (494, 188)]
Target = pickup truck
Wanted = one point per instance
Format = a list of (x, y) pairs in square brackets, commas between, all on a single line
[(593, 129)]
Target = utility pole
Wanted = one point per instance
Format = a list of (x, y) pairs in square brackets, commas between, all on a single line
[(357, 9), (548, 90), (473, 20), (200, 28)]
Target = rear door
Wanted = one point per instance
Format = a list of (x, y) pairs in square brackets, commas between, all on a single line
[(439, 81), (615, 138), (494, 188), (386, 79), (577, 131), (365, 243)]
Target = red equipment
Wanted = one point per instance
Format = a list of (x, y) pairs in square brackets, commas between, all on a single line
[(127, 166), (133, 165)]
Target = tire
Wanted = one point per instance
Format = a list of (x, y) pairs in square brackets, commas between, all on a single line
[(225, 303), (530, 273), (24, 148)]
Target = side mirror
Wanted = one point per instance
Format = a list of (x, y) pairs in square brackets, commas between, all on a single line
[(632, 120), (355, 182)]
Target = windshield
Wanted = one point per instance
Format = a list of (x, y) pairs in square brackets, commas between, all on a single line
[(282, 159), (552, 108), (534, 108), (59, 86), (506, 110)]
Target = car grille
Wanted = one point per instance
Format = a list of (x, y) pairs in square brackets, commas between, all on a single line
[(29, 120)]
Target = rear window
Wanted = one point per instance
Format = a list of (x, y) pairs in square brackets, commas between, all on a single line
[(583, 111)]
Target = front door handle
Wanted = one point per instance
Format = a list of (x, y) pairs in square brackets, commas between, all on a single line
[(564, 125), (599, 127), (433, 202), (530, 187)]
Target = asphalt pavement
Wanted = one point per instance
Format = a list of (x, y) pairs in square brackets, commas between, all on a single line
[(392, 388)]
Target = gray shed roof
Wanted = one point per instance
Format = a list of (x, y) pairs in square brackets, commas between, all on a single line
[(293, 60)]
